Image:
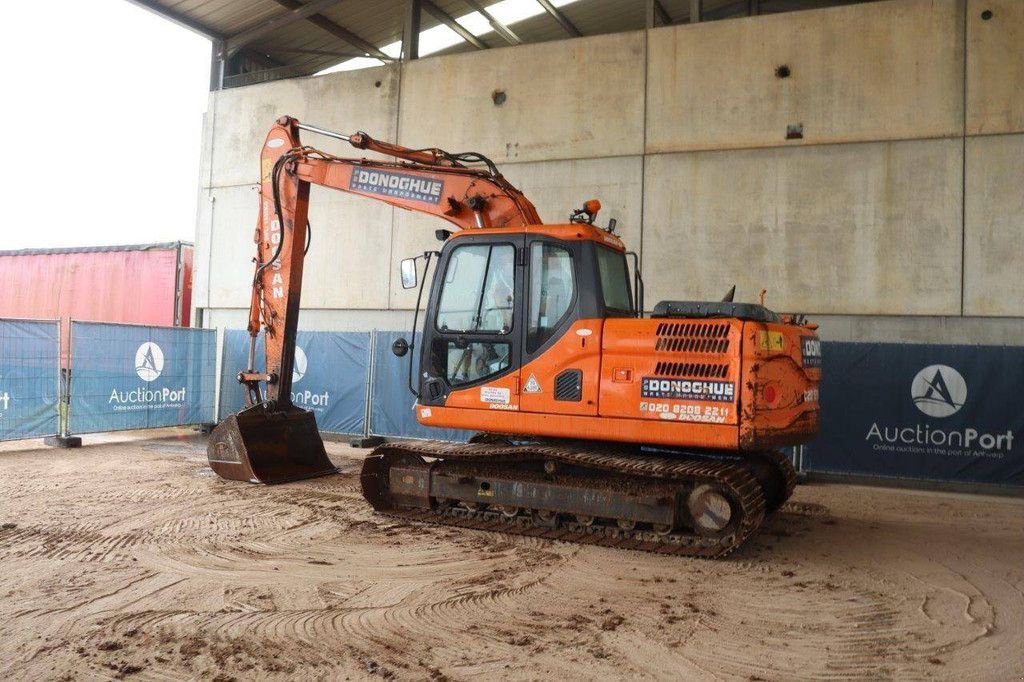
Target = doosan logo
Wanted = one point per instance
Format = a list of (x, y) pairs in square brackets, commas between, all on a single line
[(939, 391), (149, 361)]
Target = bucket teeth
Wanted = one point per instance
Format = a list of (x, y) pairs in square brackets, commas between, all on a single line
[(259, 446)]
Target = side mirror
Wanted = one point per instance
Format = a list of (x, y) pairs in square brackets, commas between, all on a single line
[(400, 347), (408, 273)]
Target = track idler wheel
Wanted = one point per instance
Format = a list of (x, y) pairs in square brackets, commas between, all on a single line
[(709, 509), (391, 480)]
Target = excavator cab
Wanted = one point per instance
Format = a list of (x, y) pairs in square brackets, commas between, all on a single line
[(500, 299)]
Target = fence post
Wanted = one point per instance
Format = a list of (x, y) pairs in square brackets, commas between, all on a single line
[(63, 437), (366, 440)]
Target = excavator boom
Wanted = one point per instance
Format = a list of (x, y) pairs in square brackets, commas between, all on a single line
[(273, 441)]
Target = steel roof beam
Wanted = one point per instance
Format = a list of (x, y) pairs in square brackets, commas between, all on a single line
[(339, 31), (178, 18), (450, 22), (564, 22), (654, 12), (696, 10), (317, 53), (499, 28), (666, 18), (260, 57), (239, 40)]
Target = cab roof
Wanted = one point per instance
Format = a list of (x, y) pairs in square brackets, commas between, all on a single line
[(563, 232)]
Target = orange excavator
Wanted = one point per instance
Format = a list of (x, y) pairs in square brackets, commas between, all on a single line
[(596, 423)]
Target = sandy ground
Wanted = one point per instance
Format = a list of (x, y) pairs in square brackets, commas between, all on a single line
[(129, 559)]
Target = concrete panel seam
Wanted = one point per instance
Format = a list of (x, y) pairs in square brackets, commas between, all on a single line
[(963, 172), (802, 145)]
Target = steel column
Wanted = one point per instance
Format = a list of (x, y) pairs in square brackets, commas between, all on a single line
[(411, 32), (217, 66)]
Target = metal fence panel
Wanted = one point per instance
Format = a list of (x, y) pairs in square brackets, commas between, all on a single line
[(330, 376), (29, 378), (949, 413), (392, 411), (138, 377)]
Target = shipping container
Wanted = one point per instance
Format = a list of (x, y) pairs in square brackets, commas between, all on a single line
[(139, 284)]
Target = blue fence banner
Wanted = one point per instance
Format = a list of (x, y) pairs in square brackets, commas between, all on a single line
[(330, 376), (29, 379), (949, 413), (139, 377), (392, 407)]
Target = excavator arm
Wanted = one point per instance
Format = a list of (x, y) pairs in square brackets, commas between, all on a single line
[(273, 441), (429, 181)]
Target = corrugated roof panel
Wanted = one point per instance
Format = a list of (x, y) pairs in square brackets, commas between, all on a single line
[(380, 22)]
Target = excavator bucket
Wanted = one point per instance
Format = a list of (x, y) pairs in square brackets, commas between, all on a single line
[(268, 447)]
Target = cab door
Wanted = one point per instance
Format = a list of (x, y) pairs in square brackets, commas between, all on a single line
[(472, 347), (561, 333)]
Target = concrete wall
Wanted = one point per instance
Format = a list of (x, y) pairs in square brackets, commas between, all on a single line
[(897, 216), (856, 74)]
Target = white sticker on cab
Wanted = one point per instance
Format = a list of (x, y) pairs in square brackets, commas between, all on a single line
[(491, 394), (425, 413)]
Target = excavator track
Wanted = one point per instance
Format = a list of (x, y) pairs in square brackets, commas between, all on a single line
[(777, 475), (464, 484)]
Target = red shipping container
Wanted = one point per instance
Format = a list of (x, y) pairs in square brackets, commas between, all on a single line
[(139, 284)]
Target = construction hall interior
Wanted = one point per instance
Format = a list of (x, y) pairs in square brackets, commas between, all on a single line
[(519, 339)]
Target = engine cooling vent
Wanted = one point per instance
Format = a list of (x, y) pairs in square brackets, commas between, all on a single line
[(569, 385), (692, 337), (699, 370)]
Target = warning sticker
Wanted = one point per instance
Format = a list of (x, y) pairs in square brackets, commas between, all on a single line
[(532, 385)]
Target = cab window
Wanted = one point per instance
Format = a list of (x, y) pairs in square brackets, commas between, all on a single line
[(614, 280), (477, 290), (552, 290), (467, 362)]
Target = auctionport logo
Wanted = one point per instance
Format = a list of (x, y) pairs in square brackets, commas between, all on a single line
[(307, 398), (149, 365), (301, 363), (149, 361), (939, 391)]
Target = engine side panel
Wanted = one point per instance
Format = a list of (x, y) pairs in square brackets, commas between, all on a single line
[(781, 374), (724, 384), (672, 370)]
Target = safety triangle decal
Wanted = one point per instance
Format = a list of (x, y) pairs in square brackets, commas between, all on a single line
[(532, 385)]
